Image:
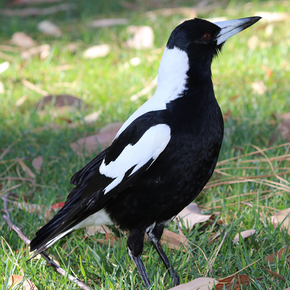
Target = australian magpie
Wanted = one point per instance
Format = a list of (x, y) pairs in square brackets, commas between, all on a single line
[(162, 156)]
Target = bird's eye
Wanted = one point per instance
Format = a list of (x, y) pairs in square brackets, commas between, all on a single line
[(206, 36)]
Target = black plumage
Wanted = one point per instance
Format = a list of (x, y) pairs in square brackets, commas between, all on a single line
[(163, 155)]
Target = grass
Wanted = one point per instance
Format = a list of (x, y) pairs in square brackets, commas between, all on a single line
[(104, 84)]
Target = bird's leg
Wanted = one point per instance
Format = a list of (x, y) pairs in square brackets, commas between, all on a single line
[(135, 248), (154, 237)]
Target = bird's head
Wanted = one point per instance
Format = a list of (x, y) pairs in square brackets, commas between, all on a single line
[(201, 39)]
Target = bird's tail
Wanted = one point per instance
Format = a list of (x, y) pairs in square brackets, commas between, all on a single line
[(45, 236)]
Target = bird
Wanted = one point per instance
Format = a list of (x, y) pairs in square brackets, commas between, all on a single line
[(162, 156)]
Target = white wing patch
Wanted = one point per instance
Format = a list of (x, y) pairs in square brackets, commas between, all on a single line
[(172, 77), (149, 146)]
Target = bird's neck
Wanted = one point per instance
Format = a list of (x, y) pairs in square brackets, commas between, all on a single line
[(177, 75)]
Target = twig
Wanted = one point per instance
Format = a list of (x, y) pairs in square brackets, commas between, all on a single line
[(43, 254)]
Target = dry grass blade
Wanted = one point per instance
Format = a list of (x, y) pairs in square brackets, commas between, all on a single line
[(273, 273)]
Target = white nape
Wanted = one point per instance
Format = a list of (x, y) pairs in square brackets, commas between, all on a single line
[(172, 77), (149, 146)]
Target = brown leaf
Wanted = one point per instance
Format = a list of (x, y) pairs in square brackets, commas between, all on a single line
[(143, 37), (244, 235), (109, 22), (22, 40), (192, 215), (92, 143), (110, 239), (233, 282), (26, 169), (37, 163), (173, 240), (59, 101), (202, 283), (97, 51), (278, 255), (16, 279), (98, 229)]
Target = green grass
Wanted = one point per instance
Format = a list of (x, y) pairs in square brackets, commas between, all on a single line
[(103, 84)]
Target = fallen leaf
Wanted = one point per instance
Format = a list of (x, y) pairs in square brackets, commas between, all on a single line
[(93, 117), (202, 283), (259, 87), (244, 235), (98, 229), (92, 143), (192, 215), (97, 51), (174, 240), (282, 218), (4, 66), (143, 37), (22, 40), (60, 104), (233, 282), (49, 28), (110, 238), (15, 280), (106, 22), (58, 205), (26, 169), (41, 50), (37, 163), (278, 255)]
